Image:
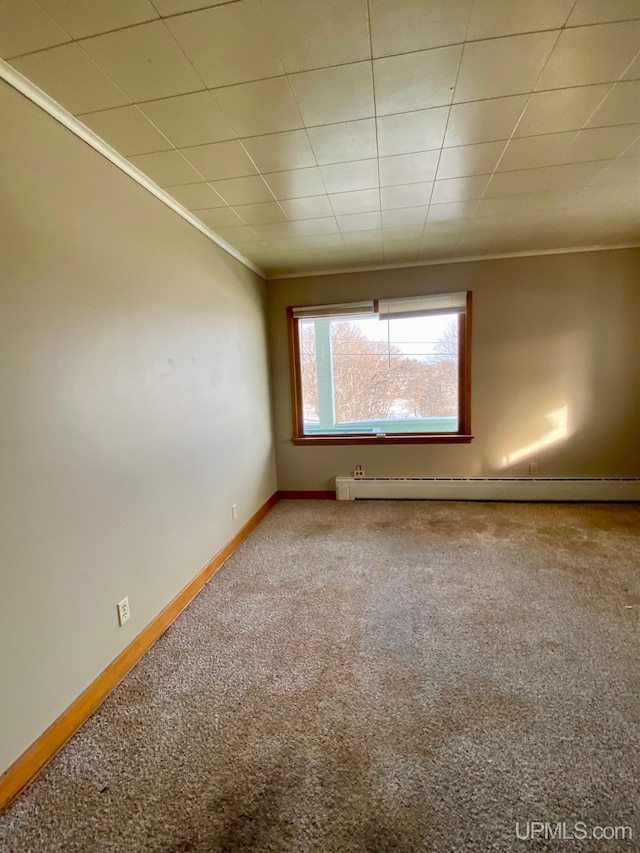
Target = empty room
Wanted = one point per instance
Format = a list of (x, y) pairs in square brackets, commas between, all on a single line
[(320, 426)]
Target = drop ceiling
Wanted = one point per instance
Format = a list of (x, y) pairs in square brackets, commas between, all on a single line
[(315, 135)]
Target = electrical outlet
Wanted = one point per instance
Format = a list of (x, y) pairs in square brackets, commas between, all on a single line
[(359, 471), (234, 511), (533, 469), (124, 614)]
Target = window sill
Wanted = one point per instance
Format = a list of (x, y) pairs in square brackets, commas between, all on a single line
[(318, 440)]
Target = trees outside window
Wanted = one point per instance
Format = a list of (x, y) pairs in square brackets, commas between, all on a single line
[(403, 372)]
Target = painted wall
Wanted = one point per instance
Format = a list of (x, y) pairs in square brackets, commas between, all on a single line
[(135, 411), (555, 369)]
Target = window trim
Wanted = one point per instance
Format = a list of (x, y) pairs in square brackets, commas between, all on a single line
[(462, 436)]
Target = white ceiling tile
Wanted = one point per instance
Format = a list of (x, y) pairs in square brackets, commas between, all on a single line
[(176, 7), (552, 199), (459, 189), (406, 133), (402, 26), (561, 109), (144, 61), (344, 177), (492, 18), (250, 190), (603, 195), (26, 27), (364, 237), (333, 95), (238, 235), (600, 11), (469, 245), (221, 217), (259, 253), (504, 66), (276, 231), (219, 160), (361, 201), (401, 253), (402, 216), (612, 234), (442, 229), (513, 183), (304, 232), (228, 44), (307, 208), (571, 175), (436, 245), (324, 240), (396, 234), (314, 35), (408, 168), (633, 150), (295, 256), (632, 71), (416, 81), (596, 54), (81, 19), (359, 221), (630, 199), (261, 214), (530, 152), (314, 132), (68, 75), (296, 183), (621, 171), (617, 215), (127, 130), (621, 106), (507, 204), (409, 195), (469, 160), (166, 168), (600, 143), (484, 121), (436, 250), (356, 255), (498, 222), (197, 196), (292, 262), (277, 152), (353, 250), (454, 210), (256, 109), (340, 143), (315, 227), (193, 119), (290, 248), (477, 245)]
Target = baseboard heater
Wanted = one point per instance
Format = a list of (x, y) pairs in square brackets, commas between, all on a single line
[(488, 488)]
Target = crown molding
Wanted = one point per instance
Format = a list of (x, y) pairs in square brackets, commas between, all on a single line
[(60, 114), (460, 260)]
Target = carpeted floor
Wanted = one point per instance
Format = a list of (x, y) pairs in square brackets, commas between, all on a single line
[(388, 676)]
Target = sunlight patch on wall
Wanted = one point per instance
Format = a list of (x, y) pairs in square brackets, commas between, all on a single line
[(559, 420)]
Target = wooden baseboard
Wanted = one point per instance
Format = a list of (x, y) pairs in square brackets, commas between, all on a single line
[(26, 768), (307, 496)]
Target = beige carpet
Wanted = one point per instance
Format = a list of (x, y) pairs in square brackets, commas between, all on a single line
[(389, 676)]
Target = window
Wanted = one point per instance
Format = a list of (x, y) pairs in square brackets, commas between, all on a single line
[(382, 371)]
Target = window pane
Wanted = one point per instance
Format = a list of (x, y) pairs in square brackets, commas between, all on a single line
[(377, 375)]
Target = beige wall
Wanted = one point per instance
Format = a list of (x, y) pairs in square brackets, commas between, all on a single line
[(135, 411), (555, 369)]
